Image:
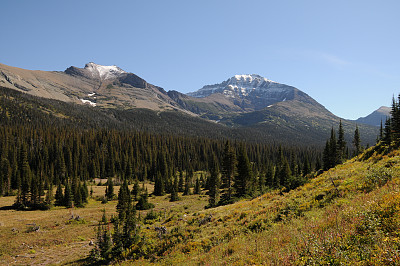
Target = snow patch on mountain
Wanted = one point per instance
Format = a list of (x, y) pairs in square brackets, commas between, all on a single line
[(88, 102), (104, 72)]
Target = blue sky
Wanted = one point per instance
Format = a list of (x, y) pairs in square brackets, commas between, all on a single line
[(344, 54)]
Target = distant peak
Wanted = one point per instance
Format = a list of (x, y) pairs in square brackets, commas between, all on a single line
[(241, 85), (104, 72), (250, 78)]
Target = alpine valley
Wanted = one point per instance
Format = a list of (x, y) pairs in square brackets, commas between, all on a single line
[(244, 107)]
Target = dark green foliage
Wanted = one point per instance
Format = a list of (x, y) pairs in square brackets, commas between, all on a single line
[(214, 183), (244, 182), (181, 182), (357, 141), (124, 201), (341, 144), (197, 187), (228, 172), (187, 190), (135, 190), (59, 197), (143, 203), (68, 196), (174, 194), (110, 189), (159, 189)]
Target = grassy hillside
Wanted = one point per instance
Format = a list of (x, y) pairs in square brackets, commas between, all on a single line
[(349, 215)]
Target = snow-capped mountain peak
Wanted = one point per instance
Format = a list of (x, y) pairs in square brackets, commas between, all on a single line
[(104, 72), (240, 86)]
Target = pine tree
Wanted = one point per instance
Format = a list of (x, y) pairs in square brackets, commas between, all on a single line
[(187, 191), (215, 183), (228, 172), (158, 185), (357, 141), (49, 196), (59, 197), (110, 189), (197, 187), (388, 131), (68, 196), (135, 190), (262, 183), (181, 182), (124, 200), (143, 203), (285, 174), (244, 179), (341, 144), (174, 193)]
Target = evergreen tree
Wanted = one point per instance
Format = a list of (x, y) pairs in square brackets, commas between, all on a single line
[(380, 137), (285, 174), (174, 192), (228, 172), (357, 141), (135, 189), (341, 144), (68, 196), (124, 200), (59, 197), (143, 203), (388, 131), (158, 185), (244, 178), (78, 201), (197, 187), (49, 196), (110, 189), (181, 182), (215, 183), (187, 191), (262, 183)]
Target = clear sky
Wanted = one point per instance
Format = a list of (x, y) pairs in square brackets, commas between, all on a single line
[(345, 54)]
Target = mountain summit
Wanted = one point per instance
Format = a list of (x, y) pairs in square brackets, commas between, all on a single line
[(104, 72), (239, 86), (252, 92)]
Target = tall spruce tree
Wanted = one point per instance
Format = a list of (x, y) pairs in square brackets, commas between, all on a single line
[(214, 183), (59, 197), (244, 185), (228, 172), (357, 141), (110, 189), (68, 196), (341, 144)]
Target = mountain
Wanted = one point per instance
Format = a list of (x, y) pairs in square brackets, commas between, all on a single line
[(375, 118), (96, 85), (247, 107), (278, 110), (250, 93)]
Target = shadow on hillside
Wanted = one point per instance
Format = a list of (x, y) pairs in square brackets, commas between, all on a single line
[(7, 208)]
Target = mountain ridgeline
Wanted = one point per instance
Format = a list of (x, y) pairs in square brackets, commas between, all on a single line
[(244, 107)]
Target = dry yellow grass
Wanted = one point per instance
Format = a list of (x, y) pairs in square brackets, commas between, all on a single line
[(61, 240)]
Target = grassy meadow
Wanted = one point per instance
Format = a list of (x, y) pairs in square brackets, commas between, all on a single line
[(348, 215)]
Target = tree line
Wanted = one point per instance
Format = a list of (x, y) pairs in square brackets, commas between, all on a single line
[(35, 158)]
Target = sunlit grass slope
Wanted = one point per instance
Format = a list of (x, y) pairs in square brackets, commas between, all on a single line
[(347, 215)]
